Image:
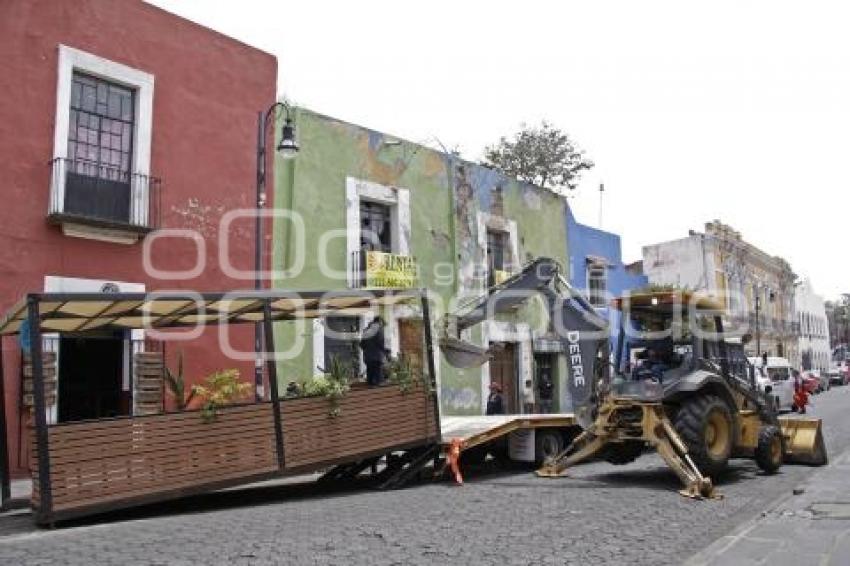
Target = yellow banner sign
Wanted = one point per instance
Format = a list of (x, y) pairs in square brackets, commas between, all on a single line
[(390, 270), (500, 276)]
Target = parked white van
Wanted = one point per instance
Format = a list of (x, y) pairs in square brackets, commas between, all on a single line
[(777, 376)]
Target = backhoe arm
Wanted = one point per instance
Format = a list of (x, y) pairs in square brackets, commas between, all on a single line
[(583, 334)]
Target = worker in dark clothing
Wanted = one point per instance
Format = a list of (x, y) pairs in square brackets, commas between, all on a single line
[(374, 351), (545, 389), (495, 402)]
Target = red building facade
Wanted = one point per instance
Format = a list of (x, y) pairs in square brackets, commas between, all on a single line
[(124, 128)]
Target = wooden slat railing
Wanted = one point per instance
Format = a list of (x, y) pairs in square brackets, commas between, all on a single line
[(369, 420), (97, 462), (120, 462)]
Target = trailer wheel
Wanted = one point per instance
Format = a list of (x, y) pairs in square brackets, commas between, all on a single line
[(769, 450), (623, 452), (474, 456), (548, 443), (705, 424)]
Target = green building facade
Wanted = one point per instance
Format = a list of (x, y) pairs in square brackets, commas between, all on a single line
[(358, 208)]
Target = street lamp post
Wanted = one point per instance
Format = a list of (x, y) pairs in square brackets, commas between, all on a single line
[(287, 147), (758, 327), (757, 289)]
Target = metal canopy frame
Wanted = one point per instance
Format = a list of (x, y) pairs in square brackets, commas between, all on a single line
[(78, 312)]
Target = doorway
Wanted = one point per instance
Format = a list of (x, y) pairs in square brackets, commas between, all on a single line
[(91, 372), (411, 340), (503, 370), (544, 382)]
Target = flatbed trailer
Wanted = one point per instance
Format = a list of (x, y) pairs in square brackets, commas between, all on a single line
[(526, 438)]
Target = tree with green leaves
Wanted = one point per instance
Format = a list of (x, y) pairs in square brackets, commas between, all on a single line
[(542, 155)]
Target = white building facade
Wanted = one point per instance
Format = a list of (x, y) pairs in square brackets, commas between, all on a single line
[(757, 288), (813, 342)]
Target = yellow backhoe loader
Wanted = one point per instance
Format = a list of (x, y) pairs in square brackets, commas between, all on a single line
[(676, 383)]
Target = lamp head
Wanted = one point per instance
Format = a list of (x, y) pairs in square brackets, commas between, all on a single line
[(288, 147)]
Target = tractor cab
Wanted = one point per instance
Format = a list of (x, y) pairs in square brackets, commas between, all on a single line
[(663, 338)]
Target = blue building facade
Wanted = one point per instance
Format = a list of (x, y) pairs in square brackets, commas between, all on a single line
[(596, 267)]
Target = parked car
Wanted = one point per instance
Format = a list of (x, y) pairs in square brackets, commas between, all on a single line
[(811, 382), (774, 378), (837, 376), (823, 380)]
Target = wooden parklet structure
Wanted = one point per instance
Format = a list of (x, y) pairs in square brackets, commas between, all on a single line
[(92, 466)]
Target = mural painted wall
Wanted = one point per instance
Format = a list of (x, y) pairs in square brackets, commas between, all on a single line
[(441, 209)]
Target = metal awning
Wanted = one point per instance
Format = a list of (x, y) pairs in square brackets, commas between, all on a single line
[(79, 312)]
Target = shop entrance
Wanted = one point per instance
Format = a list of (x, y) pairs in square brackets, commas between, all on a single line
[(91, 372), (503, 370)]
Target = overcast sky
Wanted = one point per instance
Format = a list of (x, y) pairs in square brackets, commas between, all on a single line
[(734, 110)]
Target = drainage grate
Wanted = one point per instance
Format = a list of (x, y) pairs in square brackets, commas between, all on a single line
[(837, 510)]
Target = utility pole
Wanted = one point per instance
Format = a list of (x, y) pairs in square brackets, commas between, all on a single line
[(758, 327), (601, 191)]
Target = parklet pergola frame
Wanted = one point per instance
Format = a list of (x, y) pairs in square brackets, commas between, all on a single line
[(280, 453)]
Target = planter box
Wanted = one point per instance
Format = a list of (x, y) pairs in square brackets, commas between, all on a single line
[(113, 463), (370, 421), (107, 464)]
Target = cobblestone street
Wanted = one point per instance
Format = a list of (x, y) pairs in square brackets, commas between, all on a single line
[(599, 515)]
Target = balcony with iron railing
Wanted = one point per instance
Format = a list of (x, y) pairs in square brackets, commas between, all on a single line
[(767, 324), (93, 194), (382, 270)]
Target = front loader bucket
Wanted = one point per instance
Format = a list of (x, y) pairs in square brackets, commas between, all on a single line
[(803, 441), (462, 354)]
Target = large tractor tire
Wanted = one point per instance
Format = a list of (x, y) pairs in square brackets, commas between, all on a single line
[(705, 424), (623, 452), (769, 450)]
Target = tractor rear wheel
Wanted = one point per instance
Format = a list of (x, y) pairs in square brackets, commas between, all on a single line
[(769, 450), (705, 424), (623, 452)]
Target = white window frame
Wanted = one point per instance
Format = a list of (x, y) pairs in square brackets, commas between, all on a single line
[(398, 199), (590, 299), (319, 327), (487, 221), (70, 60)]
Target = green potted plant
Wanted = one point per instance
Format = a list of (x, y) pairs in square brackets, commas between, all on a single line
[(177, 385), (333, 384), (220, 388), (407, 375)]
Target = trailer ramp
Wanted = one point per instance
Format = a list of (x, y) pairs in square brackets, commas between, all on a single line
[(475, 430)]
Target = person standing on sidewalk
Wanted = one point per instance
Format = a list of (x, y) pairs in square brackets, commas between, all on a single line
[(801, 396), (495, 402)]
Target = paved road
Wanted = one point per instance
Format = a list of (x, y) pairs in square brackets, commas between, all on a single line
[(601, 515)]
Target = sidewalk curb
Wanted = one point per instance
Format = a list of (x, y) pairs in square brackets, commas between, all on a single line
[(15, 503), (723, 543)]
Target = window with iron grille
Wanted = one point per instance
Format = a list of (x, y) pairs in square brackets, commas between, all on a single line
[(375, 227), (100, 148), (342, 339), (497, 249), (597, 284)]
